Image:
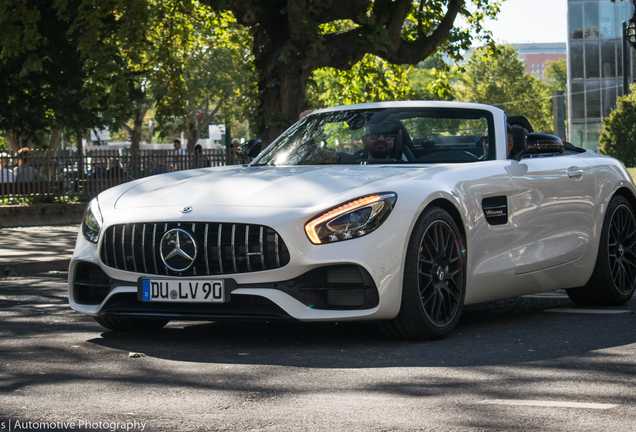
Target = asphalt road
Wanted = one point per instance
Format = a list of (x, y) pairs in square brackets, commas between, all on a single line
[(510, 364)]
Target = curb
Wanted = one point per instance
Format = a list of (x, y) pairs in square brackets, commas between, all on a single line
[(41, 214), (30, 268)]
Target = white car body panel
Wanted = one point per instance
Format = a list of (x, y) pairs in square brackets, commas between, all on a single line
[(549, 242)]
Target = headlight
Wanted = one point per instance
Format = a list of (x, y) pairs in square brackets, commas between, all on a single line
[(92, 222), (352, 219)]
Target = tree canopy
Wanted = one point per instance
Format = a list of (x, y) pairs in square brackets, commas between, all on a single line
[(136, 52), (497, 77), (293, 38)]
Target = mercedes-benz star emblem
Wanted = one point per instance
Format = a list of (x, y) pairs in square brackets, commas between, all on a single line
[(187, 209), (178, 250)]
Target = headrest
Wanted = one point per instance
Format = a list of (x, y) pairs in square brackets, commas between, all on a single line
[(519, 135), (384, 127)]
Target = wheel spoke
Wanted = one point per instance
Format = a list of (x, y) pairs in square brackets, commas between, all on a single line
[(452, 294)]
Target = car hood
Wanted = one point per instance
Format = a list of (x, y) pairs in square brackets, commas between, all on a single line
[(290, 187)]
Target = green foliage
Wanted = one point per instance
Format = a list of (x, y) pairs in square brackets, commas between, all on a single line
[(370, 80), (556, 72), (42, 74), (431, 84), (618, 137), (121, 57), (497, 77), (217, 80), (43, 199)]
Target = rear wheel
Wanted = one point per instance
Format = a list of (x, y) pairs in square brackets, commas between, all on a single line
[(434, 279), (131, 324), (614, 278)]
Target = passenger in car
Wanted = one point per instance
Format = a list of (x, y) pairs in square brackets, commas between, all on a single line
[(485, 142)]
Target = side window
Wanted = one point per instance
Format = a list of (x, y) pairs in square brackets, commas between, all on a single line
[(455, 139)]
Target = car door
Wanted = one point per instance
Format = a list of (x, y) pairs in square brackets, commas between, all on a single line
[(552, 210)]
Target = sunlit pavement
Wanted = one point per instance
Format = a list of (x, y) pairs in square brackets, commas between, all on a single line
[(532, 363)]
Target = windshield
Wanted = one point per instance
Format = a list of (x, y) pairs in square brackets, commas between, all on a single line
[(385, 135)]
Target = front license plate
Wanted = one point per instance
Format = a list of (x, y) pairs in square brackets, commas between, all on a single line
[(174, 290)]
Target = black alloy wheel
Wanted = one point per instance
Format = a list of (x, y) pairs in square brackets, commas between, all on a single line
[(622, 259), (613, 280), (441, 273), (434, 284)]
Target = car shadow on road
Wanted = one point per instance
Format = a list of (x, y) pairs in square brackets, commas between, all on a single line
[(503, 332)]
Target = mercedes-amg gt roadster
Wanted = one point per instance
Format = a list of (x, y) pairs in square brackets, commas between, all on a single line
[(398, 213)]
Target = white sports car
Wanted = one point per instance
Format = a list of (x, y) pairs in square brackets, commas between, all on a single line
[(398, 212)]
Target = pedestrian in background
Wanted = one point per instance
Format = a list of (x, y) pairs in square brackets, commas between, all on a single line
[(24, 172), (116, 171), (6, 175), (233, 156), (180, 159)]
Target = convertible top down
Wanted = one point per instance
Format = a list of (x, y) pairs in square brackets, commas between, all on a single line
[(397, 212)]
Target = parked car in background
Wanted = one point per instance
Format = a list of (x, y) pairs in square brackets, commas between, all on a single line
[(396, 212)]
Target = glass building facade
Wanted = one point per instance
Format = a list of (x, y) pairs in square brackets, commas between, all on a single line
[(595, 65)]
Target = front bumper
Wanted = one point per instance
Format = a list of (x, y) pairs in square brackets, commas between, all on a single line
[(303, 290)]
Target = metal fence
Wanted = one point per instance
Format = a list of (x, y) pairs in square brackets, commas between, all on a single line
[(46, 175)]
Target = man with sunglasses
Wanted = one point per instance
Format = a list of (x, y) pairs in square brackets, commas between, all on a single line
[(379, 140)]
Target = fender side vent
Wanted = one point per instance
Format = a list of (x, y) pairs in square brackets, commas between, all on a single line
[(495, 210)]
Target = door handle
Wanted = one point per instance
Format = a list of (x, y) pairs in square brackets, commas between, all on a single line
[(575, 172)]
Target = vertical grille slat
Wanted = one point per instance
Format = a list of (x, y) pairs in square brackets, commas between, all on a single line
[(222, 250), (205, 247), (261, 250), (143, 248), (123, 246), (133, 248), (247, 247), (165, 230), (154, 249), (114, 251), (276, 249), (234, 248)]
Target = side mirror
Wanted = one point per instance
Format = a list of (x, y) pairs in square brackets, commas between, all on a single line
[(540, 143)]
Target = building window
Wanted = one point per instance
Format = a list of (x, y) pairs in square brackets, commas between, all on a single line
[(608, 96), (593, 134), (591, 60), (576, 60), (591, 20), (578, 100), (608, 25), (578, 135), (608, 59), (575, 12), (622, 14), (593, 99)]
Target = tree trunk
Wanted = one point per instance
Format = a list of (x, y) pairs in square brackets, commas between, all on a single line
[(135, 138), (193, 136), (54, 141), (281, 82), (282, 102), (15, 141)]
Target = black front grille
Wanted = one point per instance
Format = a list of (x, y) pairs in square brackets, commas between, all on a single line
[(222, 248)]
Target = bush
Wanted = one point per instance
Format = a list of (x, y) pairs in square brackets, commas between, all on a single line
[(618, 137)]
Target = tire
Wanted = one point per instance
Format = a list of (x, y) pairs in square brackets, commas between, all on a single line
[(434, 284), (131, 324), (614, 277)]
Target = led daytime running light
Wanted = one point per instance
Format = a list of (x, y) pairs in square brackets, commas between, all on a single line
[(310, 228)]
